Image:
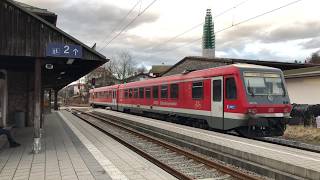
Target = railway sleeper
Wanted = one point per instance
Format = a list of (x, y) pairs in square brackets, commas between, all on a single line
[(178, 162), (165, 156), (191, 166), (168, 154), (207, 175), (174, 159)]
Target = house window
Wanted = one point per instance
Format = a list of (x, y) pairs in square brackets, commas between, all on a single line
[(141, 93), (197, 90), (231, 89), (148, 93), (216, 88), (155, 92), (164, 91), (174, 91)]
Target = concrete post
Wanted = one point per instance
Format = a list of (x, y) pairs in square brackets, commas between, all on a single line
[(37, 106), (56, 99)]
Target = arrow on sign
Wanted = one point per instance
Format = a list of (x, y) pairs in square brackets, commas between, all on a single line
[(75, 51)]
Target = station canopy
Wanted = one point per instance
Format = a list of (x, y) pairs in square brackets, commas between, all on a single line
[(28, 33)]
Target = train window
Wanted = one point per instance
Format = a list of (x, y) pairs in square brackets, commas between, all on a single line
[(126, 93), (141, 93), (135, 93), (130, 93), (110, 94), (164, 91), (216, 88), (155, 92), (174, 91), (197, 90), (231, 89), (148, 93)]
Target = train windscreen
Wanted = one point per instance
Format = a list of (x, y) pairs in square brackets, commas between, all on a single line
[(263, 84)]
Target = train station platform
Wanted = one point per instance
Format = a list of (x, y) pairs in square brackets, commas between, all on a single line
[(257, 156), (73, 149)]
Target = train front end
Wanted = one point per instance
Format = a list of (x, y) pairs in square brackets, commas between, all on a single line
[(267, 102)]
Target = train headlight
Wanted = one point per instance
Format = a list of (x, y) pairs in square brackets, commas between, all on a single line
[(286, 110)]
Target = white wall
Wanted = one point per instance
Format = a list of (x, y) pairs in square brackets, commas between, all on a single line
[(304, 90)]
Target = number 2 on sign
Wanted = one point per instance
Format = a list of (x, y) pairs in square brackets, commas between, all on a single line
[(66, 49)]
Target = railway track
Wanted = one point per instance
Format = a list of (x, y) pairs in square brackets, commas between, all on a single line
[(181, 163), (284, 142)]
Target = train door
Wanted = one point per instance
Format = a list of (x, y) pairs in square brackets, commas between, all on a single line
[(217, 101), (114, 99)]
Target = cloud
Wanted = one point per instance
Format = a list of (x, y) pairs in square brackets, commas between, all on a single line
[(298, 30), (92, 21), (311, 44), (266, 33)]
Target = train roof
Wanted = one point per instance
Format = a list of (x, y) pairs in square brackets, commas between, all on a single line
[(204, 73), (105, 88), (254, 66)]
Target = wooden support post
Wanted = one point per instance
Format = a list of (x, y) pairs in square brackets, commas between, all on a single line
[(56, 99), (41, 111), (50, 99), (37, 106)]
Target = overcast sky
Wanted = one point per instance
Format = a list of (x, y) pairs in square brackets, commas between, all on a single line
[(289, 34)]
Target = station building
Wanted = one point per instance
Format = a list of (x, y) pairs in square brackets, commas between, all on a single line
[(304, 85), (191, 63), (36, 56)]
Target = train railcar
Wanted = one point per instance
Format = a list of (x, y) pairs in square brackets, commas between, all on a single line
[(104, 96), (249, 99)]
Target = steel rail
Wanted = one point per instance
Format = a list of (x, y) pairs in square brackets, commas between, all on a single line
[(212, 164)]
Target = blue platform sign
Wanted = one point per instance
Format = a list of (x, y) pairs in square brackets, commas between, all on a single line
[(63, 50)]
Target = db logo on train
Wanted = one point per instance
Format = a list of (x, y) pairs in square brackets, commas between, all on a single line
[(197, 105)]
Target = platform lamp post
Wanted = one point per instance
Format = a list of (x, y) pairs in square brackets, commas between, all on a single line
[(37, 106)]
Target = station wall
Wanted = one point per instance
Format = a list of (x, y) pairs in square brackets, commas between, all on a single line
[(20, 96), (304, 90)]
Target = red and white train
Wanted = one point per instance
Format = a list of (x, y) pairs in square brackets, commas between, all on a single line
[(250, 99)]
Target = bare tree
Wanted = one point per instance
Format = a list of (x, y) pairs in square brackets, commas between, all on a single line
[(142, 69), (315, 58), (122, 65)]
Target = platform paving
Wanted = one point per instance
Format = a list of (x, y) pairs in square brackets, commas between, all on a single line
[(65, 157), (129, 163), (60, 158)]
